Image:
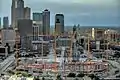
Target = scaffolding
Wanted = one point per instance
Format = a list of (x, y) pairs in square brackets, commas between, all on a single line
[(89, 62)]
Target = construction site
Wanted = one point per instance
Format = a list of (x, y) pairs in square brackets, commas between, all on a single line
[(65, 55)]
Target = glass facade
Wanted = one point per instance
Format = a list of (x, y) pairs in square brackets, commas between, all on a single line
[(5, 22), (37, 16), (20, 9), (46, 22), (59, 18)]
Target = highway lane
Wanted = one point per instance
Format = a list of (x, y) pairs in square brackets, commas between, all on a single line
[(6, 63)]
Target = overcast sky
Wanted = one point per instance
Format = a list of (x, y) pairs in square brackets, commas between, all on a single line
[(83, 12)]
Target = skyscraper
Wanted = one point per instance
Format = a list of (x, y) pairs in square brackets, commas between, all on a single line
[(13, 13), (25, 30), (37, 16), (27, 12), (25, 27), (20, 9), (46, 22), (5, 22), (17, 11), (59, 23), (37, 19), (74, 31)]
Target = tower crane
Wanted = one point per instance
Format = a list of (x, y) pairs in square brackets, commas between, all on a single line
[(72, 38)]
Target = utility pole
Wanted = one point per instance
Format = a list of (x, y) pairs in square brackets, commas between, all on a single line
[(17, 55), (88, 47), (72, 38), (42, 52), (55, 56)]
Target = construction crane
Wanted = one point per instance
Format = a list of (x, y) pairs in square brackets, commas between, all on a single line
[(17, 55), (70, 55), (88, 48), (55, 56)]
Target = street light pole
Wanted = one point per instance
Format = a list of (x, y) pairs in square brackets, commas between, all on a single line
[(88, 47)]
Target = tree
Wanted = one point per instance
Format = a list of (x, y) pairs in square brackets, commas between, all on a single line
[(92, 76), (71, 75), (37, 78), (11, 72), (7, 45), (29, 75), (76, 79), (97, 78), (80, 75), (59, 77), (43, 78)]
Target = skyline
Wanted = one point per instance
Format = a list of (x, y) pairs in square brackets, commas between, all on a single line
[(83, 12)]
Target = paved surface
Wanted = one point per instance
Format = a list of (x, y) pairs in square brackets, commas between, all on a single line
[(115, 66), (6, 63)]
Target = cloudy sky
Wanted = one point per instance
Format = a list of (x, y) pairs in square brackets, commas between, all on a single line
[(83, 12)]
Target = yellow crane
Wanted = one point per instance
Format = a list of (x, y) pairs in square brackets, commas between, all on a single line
[(17, 55), (88, 47), (55, 56), (71, 52)]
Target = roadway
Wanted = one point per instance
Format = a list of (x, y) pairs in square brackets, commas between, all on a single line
[(6, 63), (115, 66)]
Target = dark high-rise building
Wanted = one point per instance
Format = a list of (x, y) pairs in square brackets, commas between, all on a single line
[(5, 22), (25, 30), (17, 11), (59, 23), (27, 12), (37, 19), (25, 27), (46, 22)]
